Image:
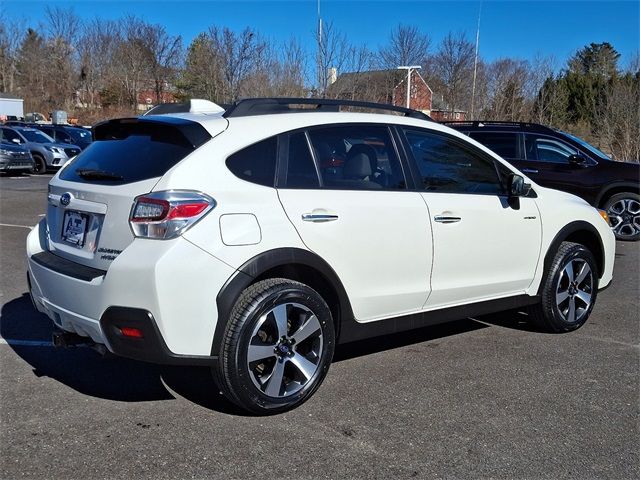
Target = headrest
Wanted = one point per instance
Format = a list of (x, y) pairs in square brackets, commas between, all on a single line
[(358, 166)]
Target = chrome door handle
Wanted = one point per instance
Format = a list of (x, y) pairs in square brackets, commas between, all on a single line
[(446, 219), (529, 170), (319, 217)]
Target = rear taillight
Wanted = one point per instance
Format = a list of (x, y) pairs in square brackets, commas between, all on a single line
[(164, 215)]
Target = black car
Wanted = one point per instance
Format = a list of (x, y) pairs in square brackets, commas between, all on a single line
[(559, 160), (15, 159), (66, 134)]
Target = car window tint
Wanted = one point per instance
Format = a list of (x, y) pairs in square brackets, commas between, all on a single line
[(256, 163), (49, 131), (447, 166), (134, 151), (8, 135), (358, 157), (301, 170), (62, 136), (504, 144), (548, 149)]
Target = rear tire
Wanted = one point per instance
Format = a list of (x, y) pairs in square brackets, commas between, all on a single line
[(277, 347), (40, 165), (624, 214), (569, 290)]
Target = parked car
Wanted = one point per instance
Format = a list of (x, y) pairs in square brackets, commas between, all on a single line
[(15, 158), (67, 134), (557, 159), (45, 152), (196, 235)]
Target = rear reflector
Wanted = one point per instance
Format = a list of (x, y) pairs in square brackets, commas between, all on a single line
[(131, 332)]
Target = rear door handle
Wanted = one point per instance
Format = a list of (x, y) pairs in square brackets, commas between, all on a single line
[(446, 219), (529, 170), (319, 217)]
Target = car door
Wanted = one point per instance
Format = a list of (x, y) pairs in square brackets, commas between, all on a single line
[(484, 246), (344, 190)]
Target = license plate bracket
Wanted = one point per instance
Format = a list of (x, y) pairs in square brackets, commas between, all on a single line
[(74, 228)]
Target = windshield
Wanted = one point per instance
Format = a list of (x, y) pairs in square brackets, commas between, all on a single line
[(588, 146), (36, 136)]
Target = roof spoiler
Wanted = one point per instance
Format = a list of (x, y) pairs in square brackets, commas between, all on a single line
[(195, 105)]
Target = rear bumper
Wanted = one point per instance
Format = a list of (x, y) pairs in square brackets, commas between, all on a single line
[(173, 282), (150, 347)]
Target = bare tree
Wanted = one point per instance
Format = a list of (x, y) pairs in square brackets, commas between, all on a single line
[(11, 36), (166, 54), (452, 65), (62, 28), (335, 51), (238, 54), (507, 83), (97, 49), (407, 45)]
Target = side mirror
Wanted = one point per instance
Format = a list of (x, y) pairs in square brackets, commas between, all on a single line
[(517, 187), (16, 140), (577, 160)]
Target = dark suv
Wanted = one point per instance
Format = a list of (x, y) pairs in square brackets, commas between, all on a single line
[(559, 160), (66, 134)]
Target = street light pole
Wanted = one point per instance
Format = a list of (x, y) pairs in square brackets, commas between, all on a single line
[(408, 68)]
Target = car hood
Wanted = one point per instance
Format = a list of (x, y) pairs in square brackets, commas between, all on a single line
[(60, 145)]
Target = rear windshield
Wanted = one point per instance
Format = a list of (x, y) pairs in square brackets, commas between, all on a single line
[(132, 152)]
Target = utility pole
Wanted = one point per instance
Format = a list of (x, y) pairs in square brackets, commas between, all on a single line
[(408, 68), (321, 75), (475, 67)]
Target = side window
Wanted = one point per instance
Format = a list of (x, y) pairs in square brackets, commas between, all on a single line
[(50, 132), (547, 149), (448, 166), (256, 163), (63, 137), (301, 170), (9, 135), (357, 157), (504, 144)]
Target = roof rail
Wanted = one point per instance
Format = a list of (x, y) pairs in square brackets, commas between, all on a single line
[(195, 105), (265, 106), (489, 123)]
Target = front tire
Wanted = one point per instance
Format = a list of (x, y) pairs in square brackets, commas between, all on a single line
[(40, 165), (277, 347), (569, 290), (624, 214)]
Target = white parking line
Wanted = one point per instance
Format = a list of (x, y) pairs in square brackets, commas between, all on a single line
[(26, 343), (16, 226)]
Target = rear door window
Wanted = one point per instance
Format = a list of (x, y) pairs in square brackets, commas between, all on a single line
[(503, 143), (134, 151), (357, 157), (301, 169)]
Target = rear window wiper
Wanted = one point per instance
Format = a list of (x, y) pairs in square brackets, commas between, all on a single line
[(92, 174)]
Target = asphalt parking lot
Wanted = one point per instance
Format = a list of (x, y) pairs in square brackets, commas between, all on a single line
[(484, 398)]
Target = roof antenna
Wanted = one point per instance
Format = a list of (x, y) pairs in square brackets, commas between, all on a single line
[(475, 66)]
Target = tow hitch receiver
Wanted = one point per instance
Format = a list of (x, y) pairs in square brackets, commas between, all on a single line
[(62, 339)]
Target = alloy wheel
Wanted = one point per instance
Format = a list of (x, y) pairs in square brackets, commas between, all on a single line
[(285, 349), (624, 216), (574, 290)]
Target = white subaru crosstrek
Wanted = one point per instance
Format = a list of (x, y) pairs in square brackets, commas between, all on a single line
[(255, 239)]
